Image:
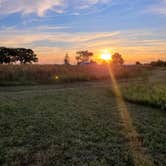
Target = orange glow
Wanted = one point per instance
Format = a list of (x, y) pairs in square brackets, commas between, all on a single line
[(105, 55)]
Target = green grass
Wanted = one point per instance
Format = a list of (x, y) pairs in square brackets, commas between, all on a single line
[(150, 124), (145, 93), (150, 90), (79, 126)]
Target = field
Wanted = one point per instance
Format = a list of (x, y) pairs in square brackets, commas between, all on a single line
[(150, 91), (55, 74), (83, 124)]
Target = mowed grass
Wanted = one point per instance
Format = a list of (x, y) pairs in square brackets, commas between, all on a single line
[(77, 126), (150, 124)]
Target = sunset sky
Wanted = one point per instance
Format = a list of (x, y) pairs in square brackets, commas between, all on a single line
[(52, 28)]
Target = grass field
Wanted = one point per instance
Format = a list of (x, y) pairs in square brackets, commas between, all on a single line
[(77, 126), (150, 91), (82, 123), (55, 74)]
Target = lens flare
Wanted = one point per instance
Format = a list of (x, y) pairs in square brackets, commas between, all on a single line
[(134, 142), (105, 55)]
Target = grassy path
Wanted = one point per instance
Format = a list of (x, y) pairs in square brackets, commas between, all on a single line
[(140, 157), (76, 126)]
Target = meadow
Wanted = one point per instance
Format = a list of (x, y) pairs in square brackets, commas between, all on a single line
[(69, 122), (54, 74), (150, 90), (75, 126)]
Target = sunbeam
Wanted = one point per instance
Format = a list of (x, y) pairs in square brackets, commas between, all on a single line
[(134, 139)]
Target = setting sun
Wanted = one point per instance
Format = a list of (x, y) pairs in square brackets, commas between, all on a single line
[(105, 55)]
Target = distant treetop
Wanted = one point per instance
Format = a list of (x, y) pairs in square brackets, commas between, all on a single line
[(83, 56), (117, 59), (67, 59)]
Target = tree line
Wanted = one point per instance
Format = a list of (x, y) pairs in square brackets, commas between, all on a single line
[(17, 55), (159, 63), (86, 57)]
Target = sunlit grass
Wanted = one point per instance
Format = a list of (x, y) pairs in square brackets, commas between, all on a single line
[(135, 144), (145, 93), (53, 74)]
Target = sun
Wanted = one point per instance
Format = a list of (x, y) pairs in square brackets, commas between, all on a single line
[(105, 55)]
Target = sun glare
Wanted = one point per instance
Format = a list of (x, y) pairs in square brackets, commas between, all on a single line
[(105, 55)]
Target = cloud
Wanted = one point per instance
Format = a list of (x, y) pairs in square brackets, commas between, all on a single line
[(158, 8), (51, 46), (11, 36), (62, 40), (28, 6), (40, 7)]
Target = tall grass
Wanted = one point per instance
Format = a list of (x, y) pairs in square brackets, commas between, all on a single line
[(145, 93), (47, 74)]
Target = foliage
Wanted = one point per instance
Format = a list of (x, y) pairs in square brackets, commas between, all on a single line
[(13, 55), (117, 59), (6, 55), (138, 63), (159, 63), (83, 56)]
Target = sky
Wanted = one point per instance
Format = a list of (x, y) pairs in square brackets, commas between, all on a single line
[(52, 28)]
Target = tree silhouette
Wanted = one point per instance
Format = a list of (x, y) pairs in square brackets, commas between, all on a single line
[(138, 63), (117, 59), (26, 56), (67, 60), (4, 55), (83, 56), (12, 55), (159, 63)]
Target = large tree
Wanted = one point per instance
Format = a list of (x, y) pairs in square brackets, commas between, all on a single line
[(4, 55), (117, 59), (83, 56), (26, 56), (13, 55)]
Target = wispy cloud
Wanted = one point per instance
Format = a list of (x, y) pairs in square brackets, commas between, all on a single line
[(28, 6), (51, 46), (40, 7), (158, 8), (10, 36)]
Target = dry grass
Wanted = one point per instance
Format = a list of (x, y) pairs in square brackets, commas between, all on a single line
[(48, 74)]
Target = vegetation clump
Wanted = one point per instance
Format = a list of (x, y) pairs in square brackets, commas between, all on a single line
[(146, 94), (14, 55), (158, 63)]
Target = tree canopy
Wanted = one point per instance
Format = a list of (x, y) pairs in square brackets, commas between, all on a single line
[(83, 56), (117, 59), (13, 55)]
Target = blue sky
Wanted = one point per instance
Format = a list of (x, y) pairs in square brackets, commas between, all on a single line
[(136, 28)]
